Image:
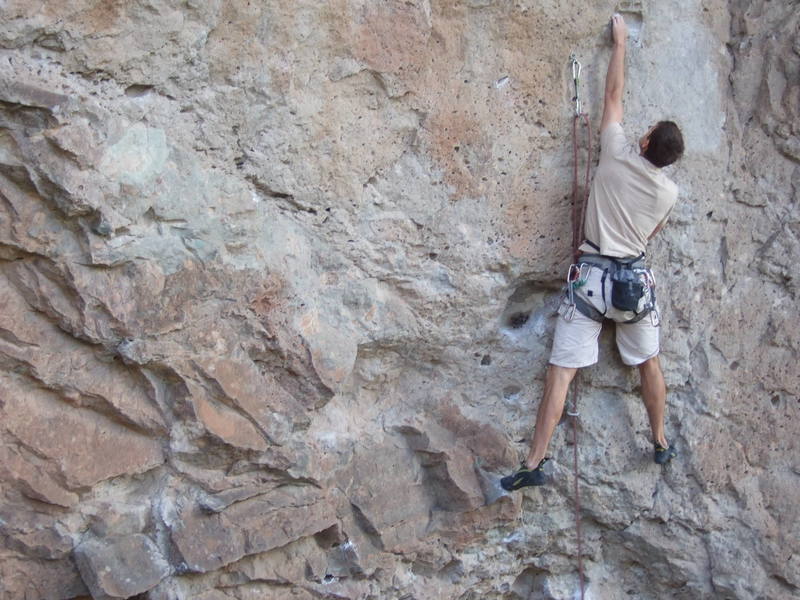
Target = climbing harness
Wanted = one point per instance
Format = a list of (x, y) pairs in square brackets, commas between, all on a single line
[(574, 279), (632, 291)]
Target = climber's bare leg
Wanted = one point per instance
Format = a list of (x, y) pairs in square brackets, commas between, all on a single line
[(550, 410)]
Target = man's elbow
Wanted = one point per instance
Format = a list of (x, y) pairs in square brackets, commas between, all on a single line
[(613, 98)]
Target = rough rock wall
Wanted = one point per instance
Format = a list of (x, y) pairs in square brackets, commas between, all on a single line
[(277, 290)]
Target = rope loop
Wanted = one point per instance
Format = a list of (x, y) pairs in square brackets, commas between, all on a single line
[(579, 205)]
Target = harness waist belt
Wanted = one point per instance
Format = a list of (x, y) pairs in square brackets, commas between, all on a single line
[(632, 261), (611, 262)]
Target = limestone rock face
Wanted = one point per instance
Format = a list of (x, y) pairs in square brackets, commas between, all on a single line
[(277, 289)]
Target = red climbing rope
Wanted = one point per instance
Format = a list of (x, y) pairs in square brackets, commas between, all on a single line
[(579, 207), (578, 217), (574, 419)]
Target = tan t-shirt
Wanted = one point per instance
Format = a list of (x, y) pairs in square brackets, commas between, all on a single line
[(629, 198)]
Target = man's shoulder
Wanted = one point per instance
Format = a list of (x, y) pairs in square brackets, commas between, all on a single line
[(613, 128), (612, 139), (669, 185), (667, 190)]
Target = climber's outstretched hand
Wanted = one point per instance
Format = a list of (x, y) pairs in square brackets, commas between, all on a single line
[(619, 31)]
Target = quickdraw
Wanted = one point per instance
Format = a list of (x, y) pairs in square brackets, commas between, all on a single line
[(576, 78), (579, 207)]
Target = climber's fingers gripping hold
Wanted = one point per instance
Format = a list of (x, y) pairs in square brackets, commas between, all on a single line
[(619, 30)]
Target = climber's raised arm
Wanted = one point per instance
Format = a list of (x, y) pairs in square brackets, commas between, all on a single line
[(615, 78)]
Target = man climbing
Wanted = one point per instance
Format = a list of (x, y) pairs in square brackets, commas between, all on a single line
[(629, 203)]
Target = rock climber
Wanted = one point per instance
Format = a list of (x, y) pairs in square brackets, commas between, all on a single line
[(629, 202)]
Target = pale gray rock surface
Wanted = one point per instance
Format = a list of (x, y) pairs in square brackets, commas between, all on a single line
[(277, 288)]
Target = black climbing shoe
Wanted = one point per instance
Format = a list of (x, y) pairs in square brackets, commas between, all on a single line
[(524, 477), (663, 455)]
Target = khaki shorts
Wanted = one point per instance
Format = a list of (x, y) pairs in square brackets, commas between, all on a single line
[(576, 335)]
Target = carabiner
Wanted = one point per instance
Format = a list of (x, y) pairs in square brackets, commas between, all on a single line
[(576, 78), (655, 318), (569, 314), (574, 273)]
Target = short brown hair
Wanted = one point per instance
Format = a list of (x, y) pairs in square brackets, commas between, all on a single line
[(665, 144)]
